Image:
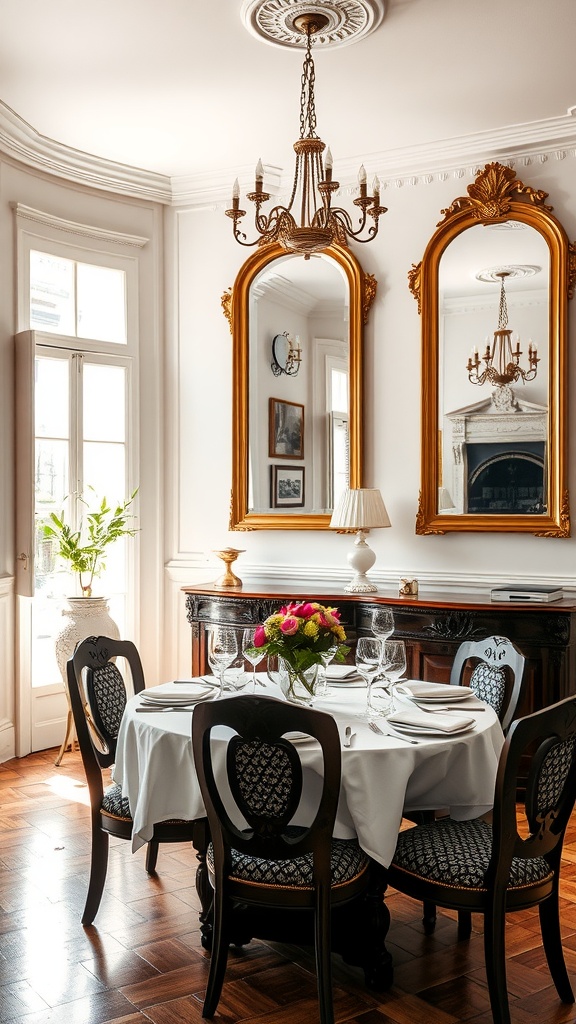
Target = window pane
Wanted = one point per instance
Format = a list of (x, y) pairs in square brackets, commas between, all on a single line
[(51, 397), (52, 474), (105, 472), (101, 303), (104, 402), (339, 387), (51, 293)]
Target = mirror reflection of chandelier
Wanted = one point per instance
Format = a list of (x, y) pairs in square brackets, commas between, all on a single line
[(309, 223), (501, 359)]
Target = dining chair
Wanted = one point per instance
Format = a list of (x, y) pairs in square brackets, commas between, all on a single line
[(98, 697), (493, 668), (512, 863), (268, 862)]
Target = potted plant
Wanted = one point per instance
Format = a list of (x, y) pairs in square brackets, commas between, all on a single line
[(86, 548)]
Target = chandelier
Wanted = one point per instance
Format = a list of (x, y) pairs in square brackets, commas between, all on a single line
[(308, 223), (502, 360)]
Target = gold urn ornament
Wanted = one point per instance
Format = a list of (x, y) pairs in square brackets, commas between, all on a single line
[(228, 556)]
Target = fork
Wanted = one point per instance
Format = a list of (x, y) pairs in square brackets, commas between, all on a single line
[(394, 735)]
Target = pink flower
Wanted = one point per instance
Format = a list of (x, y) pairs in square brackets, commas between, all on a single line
[(289, 626), (303, 611), (259, 636)]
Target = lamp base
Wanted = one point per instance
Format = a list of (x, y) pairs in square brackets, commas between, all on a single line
[(360, 585), (361, 559)]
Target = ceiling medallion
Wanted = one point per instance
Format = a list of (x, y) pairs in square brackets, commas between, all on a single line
[(347, 21), (493, 275)]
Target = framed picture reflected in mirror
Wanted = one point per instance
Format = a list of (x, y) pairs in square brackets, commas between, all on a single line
[(287, 486), (286, 429)]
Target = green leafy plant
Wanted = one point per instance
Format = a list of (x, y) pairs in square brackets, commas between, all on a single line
[(86, 548)]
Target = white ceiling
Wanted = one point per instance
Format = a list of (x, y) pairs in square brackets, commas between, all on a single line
[(182, 88)]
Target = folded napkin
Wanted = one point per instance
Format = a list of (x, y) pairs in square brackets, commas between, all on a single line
[(342, 672), (435, 721), (414, 688)]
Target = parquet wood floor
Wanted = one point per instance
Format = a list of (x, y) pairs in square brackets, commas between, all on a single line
[(142, 960)]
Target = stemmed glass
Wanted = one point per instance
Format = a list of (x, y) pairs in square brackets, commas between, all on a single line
[(222, 650), (382, 623), (394, 665), (325, 658), (368, 663), (248, 652)]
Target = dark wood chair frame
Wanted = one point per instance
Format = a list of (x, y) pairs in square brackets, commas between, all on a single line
[(497, 652), (268, 720), (535, 734), (98, 751)]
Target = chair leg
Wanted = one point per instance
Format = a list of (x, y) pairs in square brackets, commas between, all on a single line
[(98, 869), (495, 957), (428, 916), (323, 958), (552, 942), (464, 924), (152, 856), (219, 957), (68, 737)]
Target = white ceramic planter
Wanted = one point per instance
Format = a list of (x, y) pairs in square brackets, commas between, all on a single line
[(84, 616)]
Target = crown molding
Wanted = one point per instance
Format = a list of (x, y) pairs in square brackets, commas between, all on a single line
[(23, 143), (461, 156)]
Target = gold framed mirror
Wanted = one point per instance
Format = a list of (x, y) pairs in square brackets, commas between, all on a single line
[(296, 420), (494, 404)]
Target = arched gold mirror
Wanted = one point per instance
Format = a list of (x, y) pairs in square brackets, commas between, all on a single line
[(492, 290), (297, 327)]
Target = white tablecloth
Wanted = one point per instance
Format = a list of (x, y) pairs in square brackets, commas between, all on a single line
[(381, 775)]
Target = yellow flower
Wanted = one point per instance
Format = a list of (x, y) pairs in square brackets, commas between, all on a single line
[(310, 629)]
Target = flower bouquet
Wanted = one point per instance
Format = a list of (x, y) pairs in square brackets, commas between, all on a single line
[(302, 636)]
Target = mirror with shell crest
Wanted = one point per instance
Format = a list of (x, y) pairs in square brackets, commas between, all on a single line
[(492, 290), (297, 331)]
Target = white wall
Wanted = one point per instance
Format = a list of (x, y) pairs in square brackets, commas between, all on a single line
[(391, 407), (185, 404)]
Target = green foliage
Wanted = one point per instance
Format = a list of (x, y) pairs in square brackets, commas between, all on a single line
[(85, 548)]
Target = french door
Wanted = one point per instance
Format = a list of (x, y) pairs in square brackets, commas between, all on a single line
[(72, 429)]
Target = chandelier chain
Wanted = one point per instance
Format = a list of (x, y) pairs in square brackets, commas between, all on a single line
[(503, 309), (307, 103)]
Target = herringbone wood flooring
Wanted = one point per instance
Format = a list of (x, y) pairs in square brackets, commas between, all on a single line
[(142, 960)]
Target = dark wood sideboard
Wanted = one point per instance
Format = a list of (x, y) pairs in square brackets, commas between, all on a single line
[(433, 626)]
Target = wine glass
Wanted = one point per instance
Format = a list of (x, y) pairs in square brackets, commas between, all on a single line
[(394, 665), (252, 654), (222, 650), (368, 661), (325, 659), (382, 623)]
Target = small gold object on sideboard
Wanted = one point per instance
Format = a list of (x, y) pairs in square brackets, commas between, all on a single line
[(408, 588), (228, 556)]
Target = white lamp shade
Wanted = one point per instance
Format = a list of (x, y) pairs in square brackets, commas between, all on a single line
[(361, 508)]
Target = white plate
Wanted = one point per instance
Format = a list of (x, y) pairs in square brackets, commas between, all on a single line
[(344, 684), (416, 730), (181, 699)]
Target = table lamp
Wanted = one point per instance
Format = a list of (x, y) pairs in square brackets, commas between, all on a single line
[(360, 509)]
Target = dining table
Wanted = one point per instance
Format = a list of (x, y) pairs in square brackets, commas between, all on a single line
[(386, 774)]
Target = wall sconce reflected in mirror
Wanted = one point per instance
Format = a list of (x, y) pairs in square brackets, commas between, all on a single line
[(286, 355)]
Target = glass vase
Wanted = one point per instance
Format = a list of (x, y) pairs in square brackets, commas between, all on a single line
[(299, 687)]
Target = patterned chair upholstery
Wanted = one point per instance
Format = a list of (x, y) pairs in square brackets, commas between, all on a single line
[(98, 698), (272, 864), (506, 865)]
